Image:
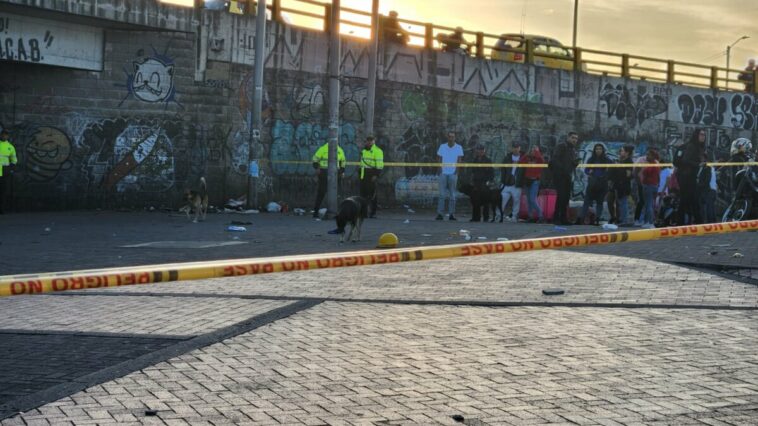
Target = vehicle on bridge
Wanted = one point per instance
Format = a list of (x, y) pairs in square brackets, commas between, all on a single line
[(548, 52)]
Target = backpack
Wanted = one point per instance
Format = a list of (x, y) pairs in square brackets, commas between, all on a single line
[(704, 178)]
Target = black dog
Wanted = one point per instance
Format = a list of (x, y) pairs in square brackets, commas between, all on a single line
[(490, 198), (352, 211)]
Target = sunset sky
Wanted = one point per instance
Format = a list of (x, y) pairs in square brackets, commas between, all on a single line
[(685, 30)]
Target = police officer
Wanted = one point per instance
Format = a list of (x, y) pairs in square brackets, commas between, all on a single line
[(372, 163), (8, 161), (321, 164)]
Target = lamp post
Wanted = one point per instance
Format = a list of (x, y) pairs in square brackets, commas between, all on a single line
[(576, 19), (728, 56)]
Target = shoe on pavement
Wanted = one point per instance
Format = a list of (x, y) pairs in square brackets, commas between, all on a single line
[(439, 217), (648, 226), (451, 218)]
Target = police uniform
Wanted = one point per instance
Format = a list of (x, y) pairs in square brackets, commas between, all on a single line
[(321, 164), (7, 158), (372, 163)]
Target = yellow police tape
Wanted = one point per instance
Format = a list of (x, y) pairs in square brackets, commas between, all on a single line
[(517, 165), (11, 285)]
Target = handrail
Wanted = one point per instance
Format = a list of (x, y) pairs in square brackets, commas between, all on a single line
[(482, 46)]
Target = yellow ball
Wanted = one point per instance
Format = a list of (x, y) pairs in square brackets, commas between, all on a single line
[(388, 240)]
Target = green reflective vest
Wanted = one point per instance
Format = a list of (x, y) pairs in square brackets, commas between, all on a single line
[(372, 159), (7, 155), (322, 157)]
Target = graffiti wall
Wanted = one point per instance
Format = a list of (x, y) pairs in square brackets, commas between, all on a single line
[(153, 121)]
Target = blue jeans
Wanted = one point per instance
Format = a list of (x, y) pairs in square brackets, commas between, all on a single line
[(531, 197), (623, 208), (448, 184), (649, 191)]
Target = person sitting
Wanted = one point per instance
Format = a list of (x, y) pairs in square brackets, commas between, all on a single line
[(454, 42), (747, 76), (391, 30)]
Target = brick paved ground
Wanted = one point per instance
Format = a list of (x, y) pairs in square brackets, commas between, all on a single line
[(417, 343)]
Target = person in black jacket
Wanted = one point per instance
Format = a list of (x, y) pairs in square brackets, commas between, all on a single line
[(562, 165), (688, 160), (480, 200), (620, 186), (597, 184)]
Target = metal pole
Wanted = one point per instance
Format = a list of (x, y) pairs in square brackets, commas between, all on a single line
[(255, 119), (334, 106), (576, 19), (371, 83), (728, 53)]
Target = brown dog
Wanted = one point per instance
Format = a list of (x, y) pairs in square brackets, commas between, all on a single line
[(198, 201)]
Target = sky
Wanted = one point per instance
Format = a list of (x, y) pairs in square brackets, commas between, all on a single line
[(696, 31)]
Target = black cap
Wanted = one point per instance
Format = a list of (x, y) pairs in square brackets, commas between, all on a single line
[(516, 145)]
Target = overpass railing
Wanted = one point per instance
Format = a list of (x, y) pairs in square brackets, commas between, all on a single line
[(357, 23)]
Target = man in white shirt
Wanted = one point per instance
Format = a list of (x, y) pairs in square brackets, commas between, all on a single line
[(449, 154)]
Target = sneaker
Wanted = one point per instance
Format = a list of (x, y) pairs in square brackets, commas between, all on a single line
[(451, 218), (509, 219), (648, 226), (638, 223), (439, 217)]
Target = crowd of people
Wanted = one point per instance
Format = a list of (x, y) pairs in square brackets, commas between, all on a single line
[(663, 196)]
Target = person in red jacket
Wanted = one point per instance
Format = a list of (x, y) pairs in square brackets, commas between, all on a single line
[(650, 178), (532, 182)]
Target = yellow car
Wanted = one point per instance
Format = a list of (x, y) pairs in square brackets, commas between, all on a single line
[(504, 51)]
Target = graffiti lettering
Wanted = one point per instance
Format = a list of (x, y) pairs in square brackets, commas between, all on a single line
[(744, 112), (635, 110), (702, 109)]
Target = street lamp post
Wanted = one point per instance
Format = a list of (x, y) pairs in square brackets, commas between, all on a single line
[(728, 56), (576, 19)]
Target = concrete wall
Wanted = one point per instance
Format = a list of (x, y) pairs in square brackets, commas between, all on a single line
[(91, 139)]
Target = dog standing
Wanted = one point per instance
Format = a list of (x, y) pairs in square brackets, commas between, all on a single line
[(352, 211), (197, 201), (490, 198)]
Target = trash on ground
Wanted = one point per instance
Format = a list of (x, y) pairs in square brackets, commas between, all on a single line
[(610, 227), (713, 253), (298, 211), (406, 221), (721, 245), (463, 232), (426, 235), (47, 229), (411, 211), (559, 228), (738, 255), (481, 238), (552, 291), (503, 239), (273, 207), (233, 228)]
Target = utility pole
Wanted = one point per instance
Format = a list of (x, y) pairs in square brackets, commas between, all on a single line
[(334, 106), (255, 113), (372, 56), (576, 19)]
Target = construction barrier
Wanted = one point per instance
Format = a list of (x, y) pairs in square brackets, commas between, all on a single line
[(114, 277)]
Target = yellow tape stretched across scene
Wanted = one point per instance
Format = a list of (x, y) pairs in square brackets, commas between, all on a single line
[(15, 285), (518, 165)]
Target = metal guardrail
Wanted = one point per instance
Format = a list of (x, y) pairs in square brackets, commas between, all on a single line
[(482, 45)]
